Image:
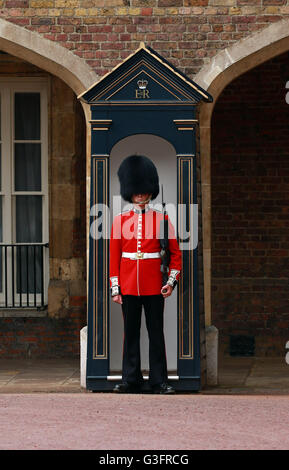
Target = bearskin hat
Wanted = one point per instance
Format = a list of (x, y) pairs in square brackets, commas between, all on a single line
[(138, 175)]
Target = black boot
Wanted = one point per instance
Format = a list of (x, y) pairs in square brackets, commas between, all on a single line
[(163, 388), (124, 387)]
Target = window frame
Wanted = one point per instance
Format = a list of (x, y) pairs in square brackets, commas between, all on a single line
[(8, 88)]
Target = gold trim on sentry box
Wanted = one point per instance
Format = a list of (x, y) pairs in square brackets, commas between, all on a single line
[(186, 124), (181, 160), (140, 63), (102, 124), (103, 161), (134, 77), (146, 103)]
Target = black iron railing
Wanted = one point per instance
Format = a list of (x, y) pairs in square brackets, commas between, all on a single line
[(22, 276)]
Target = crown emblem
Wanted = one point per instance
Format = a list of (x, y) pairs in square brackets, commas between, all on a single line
[(142, 84)]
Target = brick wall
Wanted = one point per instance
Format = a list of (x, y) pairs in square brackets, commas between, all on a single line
[(187, 32), (40, 337), (250, 208)]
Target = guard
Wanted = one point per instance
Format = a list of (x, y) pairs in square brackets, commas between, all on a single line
[(136, 279)]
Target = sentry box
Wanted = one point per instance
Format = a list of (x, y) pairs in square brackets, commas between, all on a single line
[(146, 106)]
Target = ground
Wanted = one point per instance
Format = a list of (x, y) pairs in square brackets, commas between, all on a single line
[(240, 375), (42, 406), (104, 421)]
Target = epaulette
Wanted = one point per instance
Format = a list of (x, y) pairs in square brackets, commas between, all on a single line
[(124, 212)]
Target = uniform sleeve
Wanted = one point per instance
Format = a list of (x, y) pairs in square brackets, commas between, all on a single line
[(115, 256), (175, 265)]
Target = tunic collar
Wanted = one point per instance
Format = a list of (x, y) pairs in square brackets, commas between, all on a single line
[(141, 211)]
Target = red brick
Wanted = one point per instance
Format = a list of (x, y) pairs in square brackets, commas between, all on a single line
[(86, 37), (17, 3), (125, 37), (77, 301), (19, 21), (170, 3), (99, 37), (42, 21), (147, 11)]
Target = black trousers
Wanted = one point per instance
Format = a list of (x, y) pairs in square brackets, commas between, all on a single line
[(154, 315)]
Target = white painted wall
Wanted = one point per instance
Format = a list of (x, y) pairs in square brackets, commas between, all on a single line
[(163, 154)]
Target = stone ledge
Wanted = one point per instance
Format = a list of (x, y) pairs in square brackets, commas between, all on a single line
[(22, 313)]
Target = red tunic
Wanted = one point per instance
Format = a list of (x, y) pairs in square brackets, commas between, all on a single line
[(138, 231)]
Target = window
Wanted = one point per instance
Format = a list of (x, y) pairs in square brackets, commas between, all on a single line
[(24, 257)]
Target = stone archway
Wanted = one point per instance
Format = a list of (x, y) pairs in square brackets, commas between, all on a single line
[(214, 77)]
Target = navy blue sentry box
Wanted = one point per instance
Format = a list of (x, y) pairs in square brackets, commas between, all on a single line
[(143, 95)]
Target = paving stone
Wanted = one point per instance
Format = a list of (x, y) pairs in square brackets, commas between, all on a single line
[(236, 375)]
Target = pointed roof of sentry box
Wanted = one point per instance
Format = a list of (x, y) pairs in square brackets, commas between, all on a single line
[(145, 77)]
